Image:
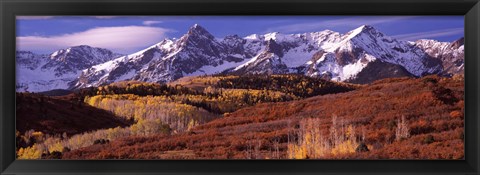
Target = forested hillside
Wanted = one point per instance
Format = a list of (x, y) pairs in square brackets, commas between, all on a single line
[(399, 118), (58, 115), (150, 109)]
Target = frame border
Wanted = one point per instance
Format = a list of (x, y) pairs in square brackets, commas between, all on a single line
[(10, 8)]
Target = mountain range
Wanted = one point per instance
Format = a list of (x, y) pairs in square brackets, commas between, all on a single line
[(41, 72), (362, 55)]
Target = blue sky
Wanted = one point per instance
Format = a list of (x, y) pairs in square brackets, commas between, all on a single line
[(127, 34)]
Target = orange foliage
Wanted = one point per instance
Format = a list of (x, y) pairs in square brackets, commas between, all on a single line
[(265, 130), (456, 114)]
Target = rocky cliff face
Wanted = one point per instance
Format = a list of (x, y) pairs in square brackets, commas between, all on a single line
[(37, 72), (450, 54), (360, 56)]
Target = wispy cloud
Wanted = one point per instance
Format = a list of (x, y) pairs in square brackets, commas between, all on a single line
[(123, 39), (343, 22), (149, 23), (33, 17), (429, 34)]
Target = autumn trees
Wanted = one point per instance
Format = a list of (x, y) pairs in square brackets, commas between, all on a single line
[(310, 142), (402, 131), (149, 108), (296, 85), (231, 117), (398, 118)]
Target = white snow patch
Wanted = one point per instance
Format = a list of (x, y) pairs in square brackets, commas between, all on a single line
[(39, 80), (297, 56), (127, 76), (249, 61), (352, 70), (252, 37), (208, 70)]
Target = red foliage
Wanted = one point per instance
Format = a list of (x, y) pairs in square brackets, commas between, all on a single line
[(430, 106)]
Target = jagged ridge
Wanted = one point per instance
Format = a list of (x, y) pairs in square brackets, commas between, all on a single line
[(326, 54)]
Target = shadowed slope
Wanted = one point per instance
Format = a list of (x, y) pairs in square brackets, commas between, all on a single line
[(58, 115)]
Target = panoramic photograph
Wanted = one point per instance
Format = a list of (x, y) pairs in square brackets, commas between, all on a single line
[(240, 87)]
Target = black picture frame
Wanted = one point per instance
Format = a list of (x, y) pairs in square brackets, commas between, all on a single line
[(10, 8)]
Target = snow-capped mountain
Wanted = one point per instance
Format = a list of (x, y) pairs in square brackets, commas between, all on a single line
[(37, 72), (340, 57), (451, 54), (195, 53), (362, 55), (282, 53), (358, 48)]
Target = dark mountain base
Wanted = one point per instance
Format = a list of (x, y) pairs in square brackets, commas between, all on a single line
[(378, 70), (57, 92)]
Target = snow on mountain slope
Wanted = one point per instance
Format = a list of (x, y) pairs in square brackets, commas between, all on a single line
[(323, 39), (329, 66), (284, 53), (55, 71), (123, 68), (30, 76), (326, 54), (432, 47), (353, 56), (359, 47), (79, 57), (335, 56), (29, 60), (195, 53), (451, 54)]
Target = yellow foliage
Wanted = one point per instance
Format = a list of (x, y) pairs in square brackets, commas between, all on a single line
[(33, 152), (296, 152), (180, 117), (37, 134), (55, 147), (191, 124), (346, 147), (312, 145)]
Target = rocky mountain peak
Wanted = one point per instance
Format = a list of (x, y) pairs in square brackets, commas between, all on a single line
[(73, 52), (58, 69), (273, 47), (198, 31), (81, 47), (343, 57), (364, 30), (197, 36), (234, 44), (76, 58), (232, 37), (456, 44), (368, 29)]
